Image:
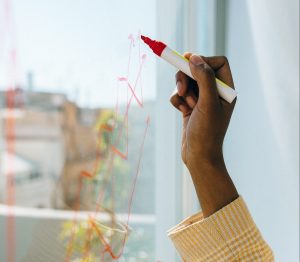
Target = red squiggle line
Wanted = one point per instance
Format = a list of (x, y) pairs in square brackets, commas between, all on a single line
[(108, 248), (125, 120), (10, 133), (9, 37), (115, 151)]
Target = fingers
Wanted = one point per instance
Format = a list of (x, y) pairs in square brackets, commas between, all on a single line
[(205, 77), (191, 100), (221, 67), (182, 81), (179, 103), (185, 105), (185, 89), (187, 55), (202, 69)]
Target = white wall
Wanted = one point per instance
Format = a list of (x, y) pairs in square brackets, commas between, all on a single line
[(262, 146)]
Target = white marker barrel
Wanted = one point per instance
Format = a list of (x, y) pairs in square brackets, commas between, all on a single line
[(180, 62)]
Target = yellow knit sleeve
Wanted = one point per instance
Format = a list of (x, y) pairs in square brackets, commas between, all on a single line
[(230, 234)]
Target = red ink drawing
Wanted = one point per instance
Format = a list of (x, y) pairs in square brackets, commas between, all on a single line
[(121, 135)]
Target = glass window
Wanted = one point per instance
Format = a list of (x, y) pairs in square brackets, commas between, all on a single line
[(77, 125)]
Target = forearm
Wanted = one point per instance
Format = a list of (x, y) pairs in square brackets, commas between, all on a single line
[(213, 184)]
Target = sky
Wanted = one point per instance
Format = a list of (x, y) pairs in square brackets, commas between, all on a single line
[(80, 47)]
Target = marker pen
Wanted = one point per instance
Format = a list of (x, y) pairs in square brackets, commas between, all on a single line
[(180, 62)]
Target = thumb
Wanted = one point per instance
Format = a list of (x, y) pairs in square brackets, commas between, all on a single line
[(205, 77)]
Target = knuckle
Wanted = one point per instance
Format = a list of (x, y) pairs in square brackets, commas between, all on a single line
[(225, 59), (204, 71), (173, 99), (207, 70)]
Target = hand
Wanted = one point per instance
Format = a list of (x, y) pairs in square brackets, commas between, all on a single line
[(206, 117)]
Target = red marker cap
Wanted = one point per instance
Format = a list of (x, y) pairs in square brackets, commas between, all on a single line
[(156, 46)]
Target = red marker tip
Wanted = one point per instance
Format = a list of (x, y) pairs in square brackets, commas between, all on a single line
[(156, 46)]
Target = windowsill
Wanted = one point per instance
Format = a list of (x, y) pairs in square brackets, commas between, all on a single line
[(46, 213)]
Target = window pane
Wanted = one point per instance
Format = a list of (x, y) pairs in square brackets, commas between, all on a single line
[(77, 133)]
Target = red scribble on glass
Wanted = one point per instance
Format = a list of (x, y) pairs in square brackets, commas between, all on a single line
[(7, 35), (8, 46), (115, 151)]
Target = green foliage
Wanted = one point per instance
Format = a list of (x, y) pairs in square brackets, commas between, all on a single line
[(80, 236)]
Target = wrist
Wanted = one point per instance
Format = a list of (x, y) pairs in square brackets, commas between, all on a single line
[(207, 161), (212, 183)]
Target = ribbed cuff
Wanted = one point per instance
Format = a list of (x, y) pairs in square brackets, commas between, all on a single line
[(218, 237)]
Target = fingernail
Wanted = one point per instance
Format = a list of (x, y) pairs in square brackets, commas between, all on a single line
[(179, 87), (196, 60)]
